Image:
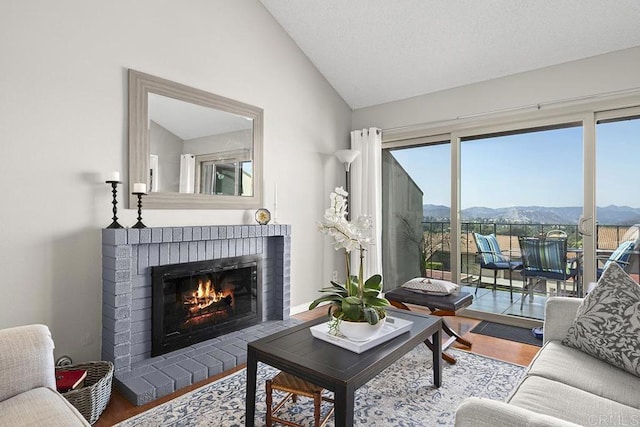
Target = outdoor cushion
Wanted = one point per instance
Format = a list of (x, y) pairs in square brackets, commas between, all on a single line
[(489, 249), (607, 324)]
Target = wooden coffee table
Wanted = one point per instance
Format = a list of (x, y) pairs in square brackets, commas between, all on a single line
[(297, 352)]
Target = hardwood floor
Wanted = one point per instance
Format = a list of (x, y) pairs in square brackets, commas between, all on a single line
[(119, 408)]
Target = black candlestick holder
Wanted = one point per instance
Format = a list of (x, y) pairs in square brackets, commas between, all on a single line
[(114, 190), (139, 224)]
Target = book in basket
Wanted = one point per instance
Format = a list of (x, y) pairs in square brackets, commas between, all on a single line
[(70, 379)]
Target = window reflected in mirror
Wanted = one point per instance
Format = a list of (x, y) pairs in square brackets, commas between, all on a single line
[(196, 149)]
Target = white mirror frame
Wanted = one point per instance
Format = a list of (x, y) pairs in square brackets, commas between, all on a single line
[(140, 85)]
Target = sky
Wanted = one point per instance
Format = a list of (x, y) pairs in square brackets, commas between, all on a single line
[(542, 168)]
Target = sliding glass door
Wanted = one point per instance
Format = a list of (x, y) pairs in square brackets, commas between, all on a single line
[(513, 184), (618, 205)]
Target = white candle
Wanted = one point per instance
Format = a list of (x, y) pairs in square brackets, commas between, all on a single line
[(139, 187), (114, 176)]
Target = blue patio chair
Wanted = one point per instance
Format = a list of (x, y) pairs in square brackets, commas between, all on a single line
[(493, 258), (621, 255), (544, 258)]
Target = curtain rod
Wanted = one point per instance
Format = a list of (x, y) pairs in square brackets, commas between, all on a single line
[(537, 106)]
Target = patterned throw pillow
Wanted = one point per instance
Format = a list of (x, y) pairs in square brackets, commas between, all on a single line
[(431, 286), (607, 324)]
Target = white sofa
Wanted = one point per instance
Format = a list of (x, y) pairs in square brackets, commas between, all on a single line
[(561, 387), (28, 395)]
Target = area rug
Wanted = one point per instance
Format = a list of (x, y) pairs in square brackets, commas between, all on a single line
[(507, 332), (401, 395)]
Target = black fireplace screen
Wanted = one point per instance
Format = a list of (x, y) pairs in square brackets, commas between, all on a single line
[(197, 301)]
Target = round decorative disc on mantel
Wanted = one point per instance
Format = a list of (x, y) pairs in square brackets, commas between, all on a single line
[(263, 216)]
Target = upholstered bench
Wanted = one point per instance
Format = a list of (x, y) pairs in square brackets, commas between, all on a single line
[(446, 305)]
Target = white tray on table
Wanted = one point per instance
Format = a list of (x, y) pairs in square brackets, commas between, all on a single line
[(393, 327)]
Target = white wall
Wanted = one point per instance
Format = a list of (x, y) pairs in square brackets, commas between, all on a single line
[(600, 74), (63, 125)]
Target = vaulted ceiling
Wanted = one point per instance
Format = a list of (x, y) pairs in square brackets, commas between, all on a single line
[(377, 51)]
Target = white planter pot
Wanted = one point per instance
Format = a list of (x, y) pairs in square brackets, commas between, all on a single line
[(360, 331)]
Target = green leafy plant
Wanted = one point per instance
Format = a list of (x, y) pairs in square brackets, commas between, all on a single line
[(357, 300)]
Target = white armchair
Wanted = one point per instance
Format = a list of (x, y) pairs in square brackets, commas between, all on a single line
[(28, 395)]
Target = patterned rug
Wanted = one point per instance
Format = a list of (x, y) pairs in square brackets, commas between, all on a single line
[(401, 395)]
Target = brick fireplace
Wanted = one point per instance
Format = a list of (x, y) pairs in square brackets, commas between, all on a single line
[(128, 257)]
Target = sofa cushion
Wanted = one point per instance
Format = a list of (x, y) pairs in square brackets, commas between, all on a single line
[(548, 397), (607, 324), (40, 407), (577, 369)]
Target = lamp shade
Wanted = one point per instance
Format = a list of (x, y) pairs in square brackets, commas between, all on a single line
[(347, 156)]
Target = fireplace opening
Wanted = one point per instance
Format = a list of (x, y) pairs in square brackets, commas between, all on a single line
[(196, 301)]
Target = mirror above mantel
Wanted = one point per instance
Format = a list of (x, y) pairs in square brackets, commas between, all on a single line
[(193, 149)]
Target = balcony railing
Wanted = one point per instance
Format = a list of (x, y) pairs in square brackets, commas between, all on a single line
[(437, 240)]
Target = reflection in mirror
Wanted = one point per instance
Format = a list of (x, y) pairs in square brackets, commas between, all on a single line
[(198, 149), (193, 148)]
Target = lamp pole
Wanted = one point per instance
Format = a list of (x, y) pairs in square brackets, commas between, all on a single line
[(346, 157)]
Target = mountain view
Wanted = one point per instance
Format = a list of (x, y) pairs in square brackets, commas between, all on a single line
[(609, 215)]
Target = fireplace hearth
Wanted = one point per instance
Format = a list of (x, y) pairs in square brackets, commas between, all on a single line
[(196, 301)]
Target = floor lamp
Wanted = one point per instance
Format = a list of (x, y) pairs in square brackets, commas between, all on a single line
[(346, 157)]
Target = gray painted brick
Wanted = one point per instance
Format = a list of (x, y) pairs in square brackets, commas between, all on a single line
[(141, 281), (237, 231), (164, 384), (252, 231), (164, 254), (116, 288), (224, 253), (133, 236), (141, 326), (137, 390), (142, 292), (187, 234), (244, 232), (154, 254), (197, 233), (143, 258), (228, 360), (138, 315), (201, 245), (167, 235), (120, 350), (177, 234), (222, 232), (174, 253), (206, 233), (208, 249), (239, 247), (114, 236), (145, 235), (116, 326), (198, 370), (229, 232), (117, 313), (214, 366), (116, 263), (217, 249), (172, 360), (120, 363), (184, 251), (180, 376), (141, 303), (193, 251), (140, 337), (141, 349), (141, 369), (156, 235), (232, 249)]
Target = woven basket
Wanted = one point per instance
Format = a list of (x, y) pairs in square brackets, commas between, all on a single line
[(92, 399)]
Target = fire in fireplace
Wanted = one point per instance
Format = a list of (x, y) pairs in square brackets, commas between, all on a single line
[(196, 301)]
